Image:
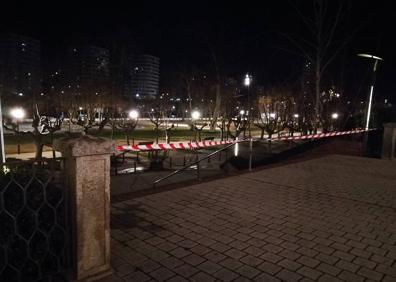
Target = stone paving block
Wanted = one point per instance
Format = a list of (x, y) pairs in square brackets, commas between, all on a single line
[(235, 254), (309, 272), (220, 247), (364, 262), (186, 270), (124, 269), (180, 252), (264, 277), (225, 275), (209, 267), (328, 278), (202, 277), (193, 259), (269, 267), (350, 277), (327, 259), (137, 276), (290, 254), (177, 279), (343, 255), (273, 248), (308, 261), (231, 263), (271, 257), (251, 260), (148, 266), (171, 262), (215, 256), (162, 274), (248, 271), (288, 276), (329, 269), (289, 264), (388, 270), (370, 274)]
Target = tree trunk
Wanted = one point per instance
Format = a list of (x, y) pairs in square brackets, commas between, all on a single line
[(262, 134), (127, 137), (39, 150), (216, 111)]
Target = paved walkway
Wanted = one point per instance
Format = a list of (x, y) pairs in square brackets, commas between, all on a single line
[(328, 219)]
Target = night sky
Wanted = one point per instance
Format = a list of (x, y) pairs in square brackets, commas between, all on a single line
[(247, 36)]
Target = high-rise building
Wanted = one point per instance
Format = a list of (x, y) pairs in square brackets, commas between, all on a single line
[(88, 69), (145, 74), (20, 65)]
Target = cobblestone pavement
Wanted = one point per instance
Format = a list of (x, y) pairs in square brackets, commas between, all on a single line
[(329, 219)]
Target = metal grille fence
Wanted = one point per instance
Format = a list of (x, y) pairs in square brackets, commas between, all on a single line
[(33, 222)]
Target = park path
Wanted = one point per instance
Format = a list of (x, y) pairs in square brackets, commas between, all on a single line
[(326, 219)]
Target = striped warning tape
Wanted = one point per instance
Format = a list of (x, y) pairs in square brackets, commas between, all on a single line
[(173, 146), (204, 144), (320, 135)]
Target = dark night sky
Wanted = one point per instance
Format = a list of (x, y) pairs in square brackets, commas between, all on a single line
[(246, 33)]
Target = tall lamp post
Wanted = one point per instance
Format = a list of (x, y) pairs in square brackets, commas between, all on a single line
[(247, 81), (1, 132), (18, 114), (376, 60)]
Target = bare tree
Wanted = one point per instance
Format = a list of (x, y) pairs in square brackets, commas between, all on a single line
[(321, 47), (275, 110), (42, 124)]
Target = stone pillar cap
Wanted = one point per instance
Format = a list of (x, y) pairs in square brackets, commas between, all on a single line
[(85, 145), (390, 124)]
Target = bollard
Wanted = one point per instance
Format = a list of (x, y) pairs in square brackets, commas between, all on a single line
[(134, 166), (170, 162), (250, 153), (389, 141), (184, 160)]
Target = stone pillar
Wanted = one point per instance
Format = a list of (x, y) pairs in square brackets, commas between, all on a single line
[(87, 176), (389, 141)]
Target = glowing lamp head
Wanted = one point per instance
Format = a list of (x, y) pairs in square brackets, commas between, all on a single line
[(133, 114), (17, 113), (242, 112), (296, 115), (334, 116), (195, 115), (247, 80), (272, 115)]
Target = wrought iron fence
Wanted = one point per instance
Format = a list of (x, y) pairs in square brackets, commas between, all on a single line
[(33, 222)]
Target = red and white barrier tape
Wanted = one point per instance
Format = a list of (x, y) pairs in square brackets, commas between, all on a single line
[(320, 135), (204, 144), (173, 146)]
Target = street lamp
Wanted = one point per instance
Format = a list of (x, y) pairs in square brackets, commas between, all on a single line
[(18, 114), (1, 132), (376, 59), (133, 114), (334, 117), (247, 81), (195, 115)]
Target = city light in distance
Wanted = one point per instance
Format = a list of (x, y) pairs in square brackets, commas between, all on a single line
[(133, 114), (334, 116), (195, 115), (296, 115), (17, 113)]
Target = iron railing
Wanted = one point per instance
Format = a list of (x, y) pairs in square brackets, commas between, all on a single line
[(34, 230), (196, 163)]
